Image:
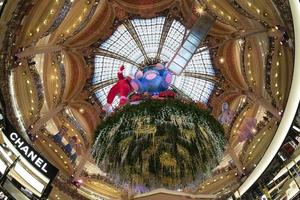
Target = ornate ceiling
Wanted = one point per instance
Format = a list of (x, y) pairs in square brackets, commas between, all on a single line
[(60, 57), (122, 48)]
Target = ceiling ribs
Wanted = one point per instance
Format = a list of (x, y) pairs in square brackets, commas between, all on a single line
[(206, 77), (110, 54), (166, 27), (131, 29), (103, 84)]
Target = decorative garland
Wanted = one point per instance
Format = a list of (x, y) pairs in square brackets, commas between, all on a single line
[(159, 143)]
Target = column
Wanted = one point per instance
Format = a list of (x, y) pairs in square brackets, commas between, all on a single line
[(83, 159), (235, 159)]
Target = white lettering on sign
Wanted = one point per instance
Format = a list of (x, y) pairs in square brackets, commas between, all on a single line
[(44, 166), (25, 149), (29, 153), (13, 136), (38, 162), (32, 156)]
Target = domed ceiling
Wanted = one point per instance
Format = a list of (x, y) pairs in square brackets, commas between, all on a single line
[(122, 49), (59, 60)]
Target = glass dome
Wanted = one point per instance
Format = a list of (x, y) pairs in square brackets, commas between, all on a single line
[(137, 41)]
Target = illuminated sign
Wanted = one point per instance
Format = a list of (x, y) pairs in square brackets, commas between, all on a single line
[(30, 154)]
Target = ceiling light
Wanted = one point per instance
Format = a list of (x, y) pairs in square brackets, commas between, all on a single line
[(296, 128), (81, 110), (199, 10), (221, 60)]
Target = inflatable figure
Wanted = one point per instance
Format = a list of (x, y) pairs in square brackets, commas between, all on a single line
[(153, 79), (227, 115), (121, 88), (247, 129)]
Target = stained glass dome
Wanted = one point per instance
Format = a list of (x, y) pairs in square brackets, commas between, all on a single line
[(138, 41)]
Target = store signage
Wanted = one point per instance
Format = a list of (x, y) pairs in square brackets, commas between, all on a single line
[(28, 152)]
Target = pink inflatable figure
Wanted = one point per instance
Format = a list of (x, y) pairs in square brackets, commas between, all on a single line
[(227, 115), (247, 129)]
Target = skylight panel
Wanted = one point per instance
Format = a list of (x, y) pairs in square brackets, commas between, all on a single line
[(149, 31)]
